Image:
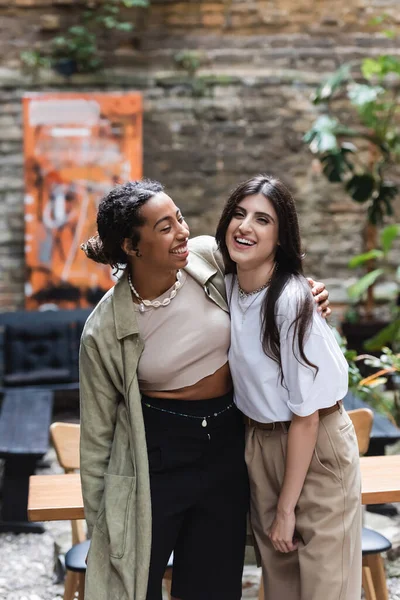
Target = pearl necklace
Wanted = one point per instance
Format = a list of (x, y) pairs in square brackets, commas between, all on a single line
[(156, 303)]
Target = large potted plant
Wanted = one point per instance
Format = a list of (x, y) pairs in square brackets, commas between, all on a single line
[(387, 334), (359, 150), (388, 365)]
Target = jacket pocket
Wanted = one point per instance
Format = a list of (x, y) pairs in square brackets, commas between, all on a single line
[(119, 497)]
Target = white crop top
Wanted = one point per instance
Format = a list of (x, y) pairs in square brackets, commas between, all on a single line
[(184, 341), (258, 390)]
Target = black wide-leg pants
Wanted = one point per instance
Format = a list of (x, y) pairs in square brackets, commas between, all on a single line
[(199, 496)]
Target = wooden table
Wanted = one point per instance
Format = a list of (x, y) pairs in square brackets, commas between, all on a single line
[(55, 498), (380, 479), (59, 497)]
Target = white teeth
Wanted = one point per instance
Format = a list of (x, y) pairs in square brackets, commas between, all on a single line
[(179, 250), (244, 241)]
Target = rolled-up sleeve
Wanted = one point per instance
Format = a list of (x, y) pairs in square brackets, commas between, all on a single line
[(98, 404), (309, 390)]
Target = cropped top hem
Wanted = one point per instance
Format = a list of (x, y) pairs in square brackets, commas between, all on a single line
[(184, 381), (184, 342)]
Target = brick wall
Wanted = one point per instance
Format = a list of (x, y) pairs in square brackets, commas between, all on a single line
[(260, 61)]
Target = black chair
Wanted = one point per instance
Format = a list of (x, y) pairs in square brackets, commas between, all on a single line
[(75, 561), (373, 571), (38, 354)]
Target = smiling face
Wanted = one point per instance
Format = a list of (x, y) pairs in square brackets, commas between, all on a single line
[(252, 234), (164, 235)]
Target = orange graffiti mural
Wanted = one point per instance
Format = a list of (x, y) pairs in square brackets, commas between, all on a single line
[(76, 147)]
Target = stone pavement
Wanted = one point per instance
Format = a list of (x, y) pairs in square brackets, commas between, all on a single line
[(27, 561)]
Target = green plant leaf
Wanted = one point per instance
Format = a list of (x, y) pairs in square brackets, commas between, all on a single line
[(322, 136), (335, 164), (388, 235), (389, 33), (132, 3), (360, 187), (380, 67), (125, 26), (361, 94), (357, 290), (361, 259), (387, 193), (332, 84), (384, 337), (375, 213)]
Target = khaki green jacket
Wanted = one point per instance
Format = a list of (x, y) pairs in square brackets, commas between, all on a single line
[(114, 466)]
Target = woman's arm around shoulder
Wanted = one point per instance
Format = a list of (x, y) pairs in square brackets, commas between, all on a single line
[(206, 247)]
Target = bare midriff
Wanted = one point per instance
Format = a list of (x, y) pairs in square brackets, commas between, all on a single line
[(212, 386)]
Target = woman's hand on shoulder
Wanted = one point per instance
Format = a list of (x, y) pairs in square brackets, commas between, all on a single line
[(281, 532), (320, 296)]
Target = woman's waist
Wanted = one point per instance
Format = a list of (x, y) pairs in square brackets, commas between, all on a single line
[(212, 386), (198, 407)]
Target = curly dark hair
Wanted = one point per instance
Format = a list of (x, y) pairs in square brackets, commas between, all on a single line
[(119, 217)]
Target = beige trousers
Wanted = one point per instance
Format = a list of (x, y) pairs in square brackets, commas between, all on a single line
[(327, 564)]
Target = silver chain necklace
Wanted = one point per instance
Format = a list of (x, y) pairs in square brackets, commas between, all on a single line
[(156, 303), (242, 295)]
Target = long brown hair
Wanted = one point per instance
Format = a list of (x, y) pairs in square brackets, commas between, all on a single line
[(288, 261)]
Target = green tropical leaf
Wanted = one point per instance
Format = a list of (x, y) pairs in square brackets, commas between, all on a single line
[(380, 67), (361, 93), (125, 26), (384, 337), (388, 235), (332, 84), (322, 136), (389, 33), (361, 259), (335, 164), (358, 289), (132, 3), (375, 213), (360, 187), (387, 193)]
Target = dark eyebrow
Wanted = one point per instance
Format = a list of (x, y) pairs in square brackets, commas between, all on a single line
[(165, 219), (258, 214), (263, 214)]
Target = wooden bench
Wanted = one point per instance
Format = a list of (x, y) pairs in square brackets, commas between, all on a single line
[(25, 419)]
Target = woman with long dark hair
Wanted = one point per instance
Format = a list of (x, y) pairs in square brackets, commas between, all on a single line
[(162, 443), (289, 378)]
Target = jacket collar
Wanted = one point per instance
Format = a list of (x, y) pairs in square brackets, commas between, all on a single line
[(199, 269), (124, 313)]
